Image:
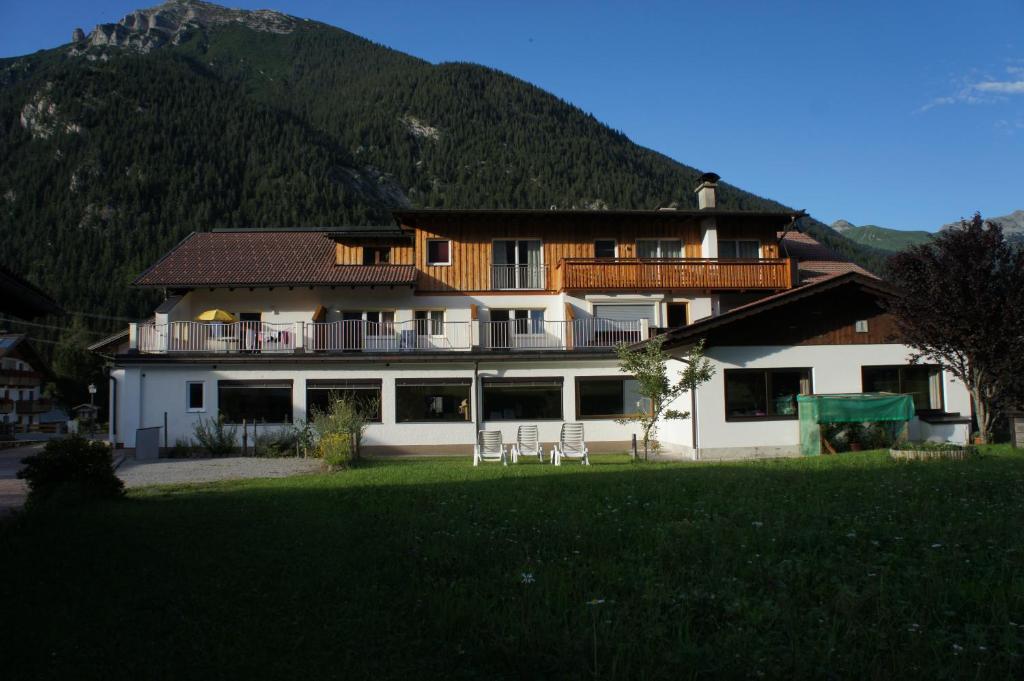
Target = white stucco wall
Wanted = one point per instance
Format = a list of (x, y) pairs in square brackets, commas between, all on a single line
[(834, 369), (146, 393)]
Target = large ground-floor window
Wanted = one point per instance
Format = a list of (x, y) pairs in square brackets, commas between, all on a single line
[(259, 401), (764, 393), (532, 399), (922, 381), (433, 400), (609, 397), (365, 393)]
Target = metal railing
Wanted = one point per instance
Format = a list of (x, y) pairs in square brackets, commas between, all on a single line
[(576, 334), (514, 277), (204, 337), (358, 335), (363, 336)]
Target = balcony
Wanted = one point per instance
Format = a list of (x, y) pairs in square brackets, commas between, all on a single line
[(632, 274), (20, 378), (519, 277), (421, 335), (33, 406)]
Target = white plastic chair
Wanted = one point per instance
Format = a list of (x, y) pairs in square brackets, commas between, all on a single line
[(489, 447), (527, 444), (571, 445)]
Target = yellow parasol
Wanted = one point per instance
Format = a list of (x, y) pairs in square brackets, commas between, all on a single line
[(215, 315)]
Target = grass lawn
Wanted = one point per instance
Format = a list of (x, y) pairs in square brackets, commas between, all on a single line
[(839, 567)]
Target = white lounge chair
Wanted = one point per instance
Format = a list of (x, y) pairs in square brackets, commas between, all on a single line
[(527, 444), (489, 448), (571, 445)]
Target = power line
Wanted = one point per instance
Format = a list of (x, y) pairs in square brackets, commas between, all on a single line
[(103, 316), (8, 320)]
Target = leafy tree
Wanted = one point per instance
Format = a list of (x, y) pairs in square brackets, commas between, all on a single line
[(75, 367), (649, 366), (960, 303)]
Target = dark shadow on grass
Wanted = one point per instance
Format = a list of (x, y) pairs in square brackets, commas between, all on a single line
[(437, 569)]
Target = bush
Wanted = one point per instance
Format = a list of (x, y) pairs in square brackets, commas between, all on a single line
[(340, 430), (215, 436), (931, 447), (336, 449), (275, 444), (71, 469)]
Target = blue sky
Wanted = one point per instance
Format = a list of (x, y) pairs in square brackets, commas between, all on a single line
[(903, 114)]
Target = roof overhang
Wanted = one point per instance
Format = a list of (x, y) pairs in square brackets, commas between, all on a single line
[(704, 329)]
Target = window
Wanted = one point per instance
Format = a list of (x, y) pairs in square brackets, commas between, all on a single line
[(739, 248), (609, 397), (430, 322), (517, 264), (764, 393), (377, 255), (380, 323), (861, 326), (523, 321), (439, 252), (196, 396), (605, 248), (365, 393), (659, 248), (922, 381), (534, 399), (261, 401), (432, 400), (676, 314)]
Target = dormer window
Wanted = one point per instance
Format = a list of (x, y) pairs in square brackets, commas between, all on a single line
[(376, 255)]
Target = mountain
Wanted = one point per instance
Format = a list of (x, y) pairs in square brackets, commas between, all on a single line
[(1012, 224), (190, 116), (880, 238), (890, 240)]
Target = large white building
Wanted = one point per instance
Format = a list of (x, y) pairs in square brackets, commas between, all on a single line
[(454, 321)]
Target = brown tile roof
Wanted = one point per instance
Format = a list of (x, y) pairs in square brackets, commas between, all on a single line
[(816, 261), (265, 258)]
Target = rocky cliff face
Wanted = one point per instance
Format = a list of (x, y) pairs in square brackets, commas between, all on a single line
[(148, 29)]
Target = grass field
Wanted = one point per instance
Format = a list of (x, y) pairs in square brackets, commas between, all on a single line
[(834, 567)]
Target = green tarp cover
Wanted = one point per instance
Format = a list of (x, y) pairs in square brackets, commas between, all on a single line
[(848, 408), (857, 407)]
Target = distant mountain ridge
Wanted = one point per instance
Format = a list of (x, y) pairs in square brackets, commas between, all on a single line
[(894, 240), (190, 116)]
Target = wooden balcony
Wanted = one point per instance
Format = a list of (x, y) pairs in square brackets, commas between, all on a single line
[(19, 378), (633, 274)]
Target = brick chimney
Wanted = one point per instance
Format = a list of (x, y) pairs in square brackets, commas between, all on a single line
[(706, 186)]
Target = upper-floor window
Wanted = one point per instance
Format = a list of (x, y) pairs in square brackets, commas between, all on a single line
[(764, 393), (439, 252), (922, 381), (739, 248), (659, 248), (376, 255), (429, 322), (605, 248), (517, 263)]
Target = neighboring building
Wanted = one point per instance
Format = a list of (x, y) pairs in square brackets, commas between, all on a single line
[(22, 299), (22, 374), (451, 321)]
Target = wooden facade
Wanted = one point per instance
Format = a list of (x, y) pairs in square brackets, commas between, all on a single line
[(350, 251), (568, 239)]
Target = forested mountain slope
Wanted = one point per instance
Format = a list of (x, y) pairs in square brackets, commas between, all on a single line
[(190, 116)]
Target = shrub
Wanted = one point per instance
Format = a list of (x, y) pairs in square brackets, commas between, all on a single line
[(336, 449), (340, 429), (215, 436), (182, 448), (70, 470), (275, 444), (931, 447)]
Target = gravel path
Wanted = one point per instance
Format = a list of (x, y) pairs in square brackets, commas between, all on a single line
[(178, 471)]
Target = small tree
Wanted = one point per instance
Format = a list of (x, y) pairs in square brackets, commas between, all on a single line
[(649, 366), (960, 303)]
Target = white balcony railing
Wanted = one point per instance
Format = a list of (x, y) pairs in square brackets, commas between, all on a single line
[(576, 334), (525, 277), (214, 337), (419, 334), (362, 336)]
